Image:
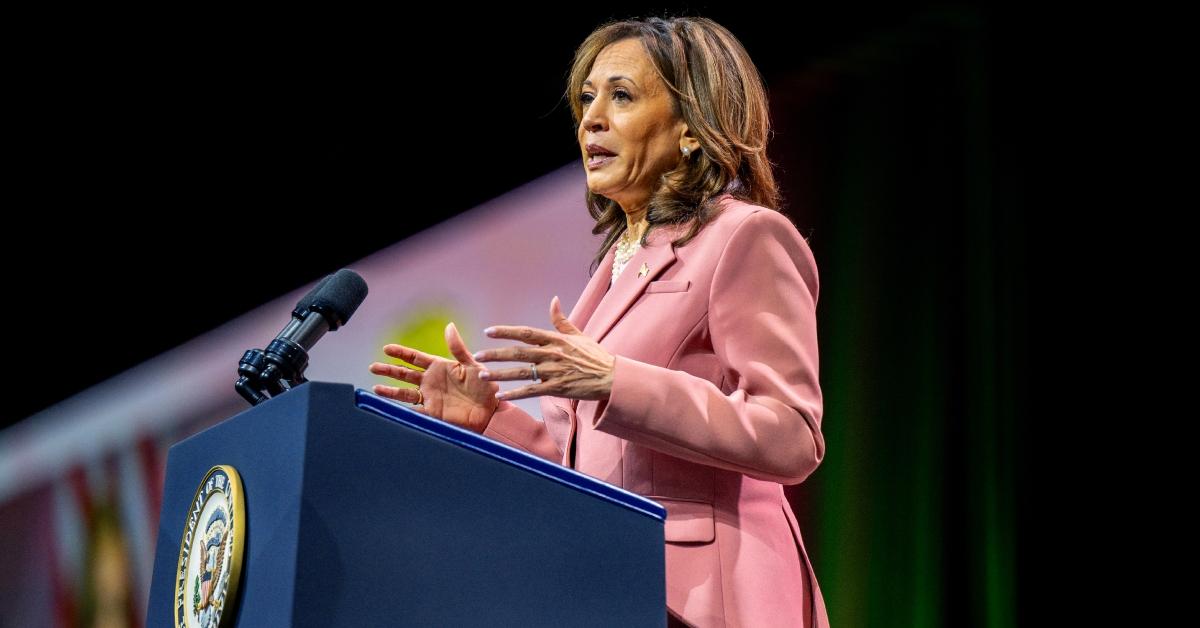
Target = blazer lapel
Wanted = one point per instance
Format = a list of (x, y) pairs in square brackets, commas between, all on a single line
[(656, 256), (593, 292), (600, 307)]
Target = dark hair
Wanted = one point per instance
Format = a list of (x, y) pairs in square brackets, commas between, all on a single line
[(720, 95)]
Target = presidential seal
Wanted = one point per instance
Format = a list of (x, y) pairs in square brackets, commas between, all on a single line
[(210, 555)]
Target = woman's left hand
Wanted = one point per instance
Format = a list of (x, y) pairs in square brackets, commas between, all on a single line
[(569, 364)]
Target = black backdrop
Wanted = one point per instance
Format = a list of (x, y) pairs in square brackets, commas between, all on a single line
[(174, 170), (169, 171)]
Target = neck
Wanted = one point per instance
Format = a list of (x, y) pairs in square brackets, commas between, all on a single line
[(636, 223)]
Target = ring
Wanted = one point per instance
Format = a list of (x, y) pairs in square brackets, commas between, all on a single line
[(420, 398), (533, 367)]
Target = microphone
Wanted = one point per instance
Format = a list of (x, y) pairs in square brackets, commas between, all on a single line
[(279, 368), (302, 308), (335, 299), (250, 369)]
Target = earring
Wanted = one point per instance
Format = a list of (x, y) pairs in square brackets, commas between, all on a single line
[(685, 150)]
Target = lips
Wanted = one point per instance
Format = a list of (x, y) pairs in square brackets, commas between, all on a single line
[(598, 161), (594, 150), (598, 156)]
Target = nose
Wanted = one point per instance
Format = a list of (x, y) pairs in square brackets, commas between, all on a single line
[(594, 117)]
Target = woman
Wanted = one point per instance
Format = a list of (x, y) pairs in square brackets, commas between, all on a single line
[(687, 371)]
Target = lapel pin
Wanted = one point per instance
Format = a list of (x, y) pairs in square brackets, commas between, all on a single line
[(645, 269)]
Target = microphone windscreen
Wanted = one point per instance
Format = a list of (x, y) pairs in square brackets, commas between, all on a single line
[(306, 302), (340, 297)]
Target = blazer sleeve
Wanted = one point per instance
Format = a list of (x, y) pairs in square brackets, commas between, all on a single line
[(513, 426), (763, 327)]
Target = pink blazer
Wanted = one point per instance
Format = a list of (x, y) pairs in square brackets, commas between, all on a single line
[(715, 405)]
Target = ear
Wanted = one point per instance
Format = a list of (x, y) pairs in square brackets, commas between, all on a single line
[(687, 139)]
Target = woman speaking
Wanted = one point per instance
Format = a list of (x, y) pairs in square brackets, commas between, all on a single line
[(688, 369)]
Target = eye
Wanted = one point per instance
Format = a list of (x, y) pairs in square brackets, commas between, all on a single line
[(586, 99)]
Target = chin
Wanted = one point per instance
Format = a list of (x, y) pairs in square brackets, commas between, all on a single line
[(596, 190), (595, 186), (599, 192)]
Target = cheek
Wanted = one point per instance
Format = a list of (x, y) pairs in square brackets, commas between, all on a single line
[(654, 156), (658, 141)]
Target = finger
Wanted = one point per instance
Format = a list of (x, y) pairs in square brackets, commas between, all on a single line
[(531, 335), (504, 375), (412, 356), (458, 348), (559, 319), (395, 371), (517, 354), (407, 395), (423, 410), (533, 390)]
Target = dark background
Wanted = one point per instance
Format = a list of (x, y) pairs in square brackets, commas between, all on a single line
[(171, 171)]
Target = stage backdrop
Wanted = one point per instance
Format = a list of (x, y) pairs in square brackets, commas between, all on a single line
[(80, 483)]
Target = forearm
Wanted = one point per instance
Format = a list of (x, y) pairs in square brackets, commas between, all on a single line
[(774, 437)]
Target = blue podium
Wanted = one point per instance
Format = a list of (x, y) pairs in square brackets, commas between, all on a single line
[(361, 512)]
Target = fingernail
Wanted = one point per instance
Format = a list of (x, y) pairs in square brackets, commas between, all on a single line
[(478, 355), (483, 374), (500, 395), (489, 331)]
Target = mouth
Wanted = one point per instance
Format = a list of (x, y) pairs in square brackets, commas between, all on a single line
[(598, 155), (599, 161)]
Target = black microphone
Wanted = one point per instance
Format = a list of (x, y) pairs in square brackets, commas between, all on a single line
[(302, 308), (335, 299), (279, 368), (254, 361)]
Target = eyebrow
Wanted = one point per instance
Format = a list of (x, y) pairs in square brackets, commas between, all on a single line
[(614, 79)]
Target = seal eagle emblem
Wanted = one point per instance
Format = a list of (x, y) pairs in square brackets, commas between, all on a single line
[(210, 554)]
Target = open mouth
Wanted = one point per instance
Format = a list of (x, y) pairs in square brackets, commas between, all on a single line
[(597, 161), (598, 156)]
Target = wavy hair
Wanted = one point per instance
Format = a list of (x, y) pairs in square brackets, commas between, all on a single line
[(719, 93)]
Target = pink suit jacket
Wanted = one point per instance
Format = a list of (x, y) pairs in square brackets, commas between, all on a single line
[(715, 405)]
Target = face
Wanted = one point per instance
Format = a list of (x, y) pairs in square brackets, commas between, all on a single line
[(627, 109)]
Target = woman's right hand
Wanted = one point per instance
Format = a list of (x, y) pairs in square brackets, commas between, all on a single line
[(450, 390)]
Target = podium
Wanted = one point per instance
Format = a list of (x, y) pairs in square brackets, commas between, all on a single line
[(361, 512)]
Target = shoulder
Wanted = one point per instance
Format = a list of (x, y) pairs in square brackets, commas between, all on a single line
[(732, 216), (750, 238), (739, 221)]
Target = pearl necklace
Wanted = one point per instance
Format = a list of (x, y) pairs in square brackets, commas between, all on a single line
[(625, 250)]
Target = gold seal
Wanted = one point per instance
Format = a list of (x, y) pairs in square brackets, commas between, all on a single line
[(210, 553)]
